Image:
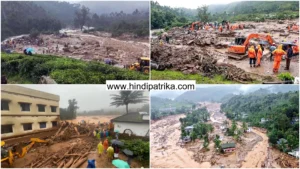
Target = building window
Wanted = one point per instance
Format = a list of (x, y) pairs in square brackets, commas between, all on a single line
[(27, 126), (25, 106), (7, 128), (53, 109), (4, 105), (41, 107), (42, 125), (54, 124)]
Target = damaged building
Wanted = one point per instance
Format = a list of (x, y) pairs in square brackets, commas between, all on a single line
[(25, 111)]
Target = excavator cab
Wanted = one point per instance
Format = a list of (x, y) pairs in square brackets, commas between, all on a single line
[(239, 40)]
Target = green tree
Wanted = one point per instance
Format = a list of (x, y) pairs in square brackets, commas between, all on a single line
[(72, 108), (203, 13), (193, 136), (124, 98), (217, 142), (81, 17), (244, 126)]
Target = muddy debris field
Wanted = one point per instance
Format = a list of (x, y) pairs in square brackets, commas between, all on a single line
[(204, 52)]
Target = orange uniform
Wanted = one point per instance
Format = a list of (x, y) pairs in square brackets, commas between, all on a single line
[(259, 55), (251, 52), (105, 144), (221, 29), (206, 27), (277, 53)]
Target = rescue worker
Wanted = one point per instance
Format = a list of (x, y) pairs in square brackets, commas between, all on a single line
[(277, 58), (110, 153), (207, 27), (221, 28), (288, 57), (100, 148), (98, 135), (251, 55), (259, 55), (272, 48), (289, 28), (105, 145)]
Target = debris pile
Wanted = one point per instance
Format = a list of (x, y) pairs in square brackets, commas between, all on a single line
[(69, 131), (70, 157), (285, 161), (192, 60)]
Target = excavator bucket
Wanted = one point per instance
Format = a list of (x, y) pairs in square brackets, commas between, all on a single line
[(38, 140)]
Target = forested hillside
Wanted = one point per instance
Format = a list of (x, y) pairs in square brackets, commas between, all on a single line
[(161, 107), (165, 16), (25, 17), (214, 94), (63, 11), (278, 113), (34, 17)]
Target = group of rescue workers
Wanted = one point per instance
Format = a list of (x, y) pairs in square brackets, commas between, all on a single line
[(255, 54), (111, 151)]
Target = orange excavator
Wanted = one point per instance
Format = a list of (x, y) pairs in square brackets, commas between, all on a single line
[(8, 154), (194, 24), (238, 50)]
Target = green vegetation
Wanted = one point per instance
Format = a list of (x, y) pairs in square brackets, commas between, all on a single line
[(70, 112), (25, 17), (285, 76), (200, 129), (124, 98), (177, 75), (278, 113), (160, 107), (47, 17), (165, 17), (140, 149), (62, 70)]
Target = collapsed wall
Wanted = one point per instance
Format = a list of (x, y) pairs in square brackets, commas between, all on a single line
[(191, 60)]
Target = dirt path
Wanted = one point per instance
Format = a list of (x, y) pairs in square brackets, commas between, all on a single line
[(164, 152), (258, 154)]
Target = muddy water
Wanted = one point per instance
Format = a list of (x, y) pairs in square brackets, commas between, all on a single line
[(166, 154), (94, 119)]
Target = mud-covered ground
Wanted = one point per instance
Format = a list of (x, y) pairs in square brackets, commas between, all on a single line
[(97, 46), (193, 50), (253, 151)]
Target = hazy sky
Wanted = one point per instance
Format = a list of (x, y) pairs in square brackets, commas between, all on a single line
[(193, 4), (89, 97)]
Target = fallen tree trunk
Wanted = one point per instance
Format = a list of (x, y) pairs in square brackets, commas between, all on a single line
[(79, 162), (69, 163)]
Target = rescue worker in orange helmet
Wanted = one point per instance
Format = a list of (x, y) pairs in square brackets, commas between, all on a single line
[(259, 55), (277, 53), (105, 145), (252, 55)]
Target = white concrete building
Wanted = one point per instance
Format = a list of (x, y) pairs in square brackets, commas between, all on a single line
[(133, 124)]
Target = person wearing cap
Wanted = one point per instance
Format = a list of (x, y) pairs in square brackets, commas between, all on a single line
[(272, 48)]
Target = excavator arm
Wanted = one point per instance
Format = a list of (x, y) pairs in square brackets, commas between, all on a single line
[(25, 149), (258, 36), (241, 49)]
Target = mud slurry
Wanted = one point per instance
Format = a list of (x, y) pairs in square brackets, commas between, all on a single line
[(87, 47), (204, 52), (252, 151)]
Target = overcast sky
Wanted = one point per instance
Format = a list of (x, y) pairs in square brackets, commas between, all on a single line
[(89, 97)]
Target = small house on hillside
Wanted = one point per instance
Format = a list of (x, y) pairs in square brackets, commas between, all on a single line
[(228, 147), (133, 124), (189, 129), (263, 120)]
